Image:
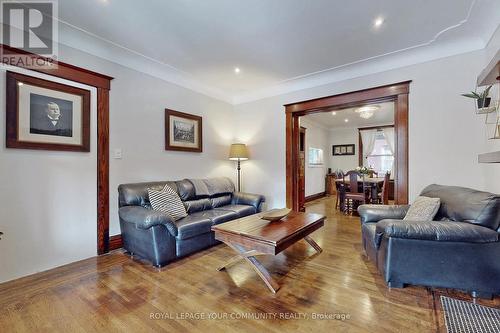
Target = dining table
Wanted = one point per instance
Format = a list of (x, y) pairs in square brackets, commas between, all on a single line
[(373, 184)]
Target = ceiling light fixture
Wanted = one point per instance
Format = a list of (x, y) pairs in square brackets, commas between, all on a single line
[(346, 120), (366, 112), (378, 22), (334, 113), (237, 70)]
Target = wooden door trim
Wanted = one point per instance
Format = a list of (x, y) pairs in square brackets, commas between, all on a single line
[(103, 84), (397, 92)]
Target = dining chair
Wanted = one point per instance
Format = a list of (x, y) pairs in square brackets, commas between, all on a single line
[(340, 189), (383, 196), (354, 197)]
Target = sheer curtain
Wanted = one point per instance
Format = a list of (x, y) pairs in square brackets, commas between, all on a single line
[(389, 136), (368, 140)]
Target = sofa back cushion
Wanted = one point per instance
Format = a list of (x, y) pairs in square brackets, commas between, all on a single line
[(193, 206), (136, 194), (196, 194), (222, 200), (219, 186), (466, 205)]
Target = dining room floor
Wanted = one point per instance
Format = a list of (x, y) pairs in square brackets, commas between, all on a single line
[(338, 290)]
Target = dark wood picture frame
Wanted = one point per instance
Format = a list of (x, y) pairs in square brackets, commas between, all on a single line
[(352, 146), (169, 145), (12, 114)]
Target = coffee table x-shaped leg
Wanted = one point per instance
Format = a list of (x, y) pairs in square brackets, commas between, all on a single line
[(249, 257)]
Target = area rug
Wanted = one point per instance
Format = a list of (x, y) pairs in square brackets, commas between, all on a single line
[(466, 317)]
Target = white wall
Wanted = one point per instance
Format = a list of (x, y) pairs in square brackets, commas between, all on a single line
[(343, 136), (491, 171), (48, 199), (316, 137), (445, 135), (137, 104)]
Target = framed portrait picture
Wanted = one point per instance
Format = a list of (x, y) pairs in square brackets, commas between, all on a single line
[(46, 115), (340, 150), (183, 131)]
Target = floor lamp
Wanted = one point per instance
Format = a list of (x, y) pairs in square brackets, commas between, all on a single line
[(238, 152)]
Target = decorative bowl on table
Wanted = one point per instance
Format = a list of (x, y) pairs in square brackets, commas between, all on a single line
[(276, 215)]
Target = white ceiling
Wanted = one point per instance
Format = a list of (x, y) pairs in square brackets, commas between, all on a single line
[(326, 120), (197, 44)]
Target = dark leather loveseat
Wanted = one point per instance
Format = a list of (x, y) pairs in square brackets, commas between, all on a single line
[(460, 249), (154, 236)]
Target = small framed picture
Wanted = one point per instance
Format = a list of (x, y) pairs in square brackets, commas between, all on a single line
[(46, 115), (183, 131), (340, 150)]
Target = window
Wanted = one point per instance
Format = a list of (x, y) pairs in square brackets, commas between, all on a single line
[(315, 157), (381, 157)]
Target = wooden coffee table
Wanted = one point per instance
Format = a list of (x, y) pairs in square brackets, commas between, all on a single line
[(252, 236)]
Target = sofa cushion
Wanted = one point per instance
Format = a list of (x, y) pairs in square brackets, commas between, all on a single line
[(435, 231), (241, 210), (466, 205), (201, 222), (193, 206), (167, 201), (423, 209), (217, 216), (193, 225), (186, 190), (221, 200), (219, 186)]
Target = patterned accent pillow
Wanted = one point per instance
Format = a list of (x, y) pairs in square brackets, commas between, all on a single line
[(168, 202), (423, 209)]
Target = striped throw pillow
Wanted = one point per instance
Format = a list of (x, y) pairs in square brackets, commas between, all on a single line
[(168, 202)]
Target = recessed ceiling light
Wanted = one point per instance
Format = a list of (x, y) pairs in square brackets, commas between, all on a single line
[(20, 84), (346, 120), (378, 22), (237, 70), (334, 113)]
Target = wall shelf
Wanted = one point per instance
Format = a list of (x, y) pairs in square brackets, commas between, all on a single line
[(493, 157)]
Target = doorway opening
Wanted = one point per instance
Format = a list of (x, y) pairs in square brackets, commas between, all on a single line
[(385, 146)]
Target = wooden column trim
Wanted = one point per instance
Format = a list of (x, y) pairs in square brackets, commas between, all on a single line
[(401, 166), (102, 170), (103, 84)]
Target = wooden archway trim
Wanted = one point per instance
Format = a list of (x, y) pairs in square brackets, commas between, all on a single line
[(103, 84), (398, 93)]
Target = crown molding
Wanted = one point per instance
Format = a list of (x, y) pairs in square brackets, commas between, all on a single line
[(364, 67), (93, 44), (82, 40)]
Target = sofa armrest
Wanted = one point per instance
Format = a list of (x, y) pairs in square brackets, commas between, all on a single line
[(240, 198), (144, 218), (435, 231), (375, 213)]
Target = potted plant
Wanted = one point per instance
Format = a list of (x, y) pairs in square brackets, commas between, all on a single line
[(364, 171), (483, 101)]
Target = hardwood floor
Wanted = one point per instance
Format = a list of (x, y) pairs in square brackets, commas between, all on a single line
[(115, 293)]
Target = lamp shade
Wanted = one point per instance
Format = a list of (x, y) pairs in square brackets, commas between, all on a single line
[(238, 152)]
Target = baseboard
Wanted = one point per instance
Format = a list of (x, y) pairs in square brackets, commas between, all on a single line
[(315, 196), (115, 242)]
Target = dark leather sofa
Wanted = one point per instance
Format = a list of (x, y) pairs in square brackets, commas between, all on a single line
[(154, 236), (460, 249)]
